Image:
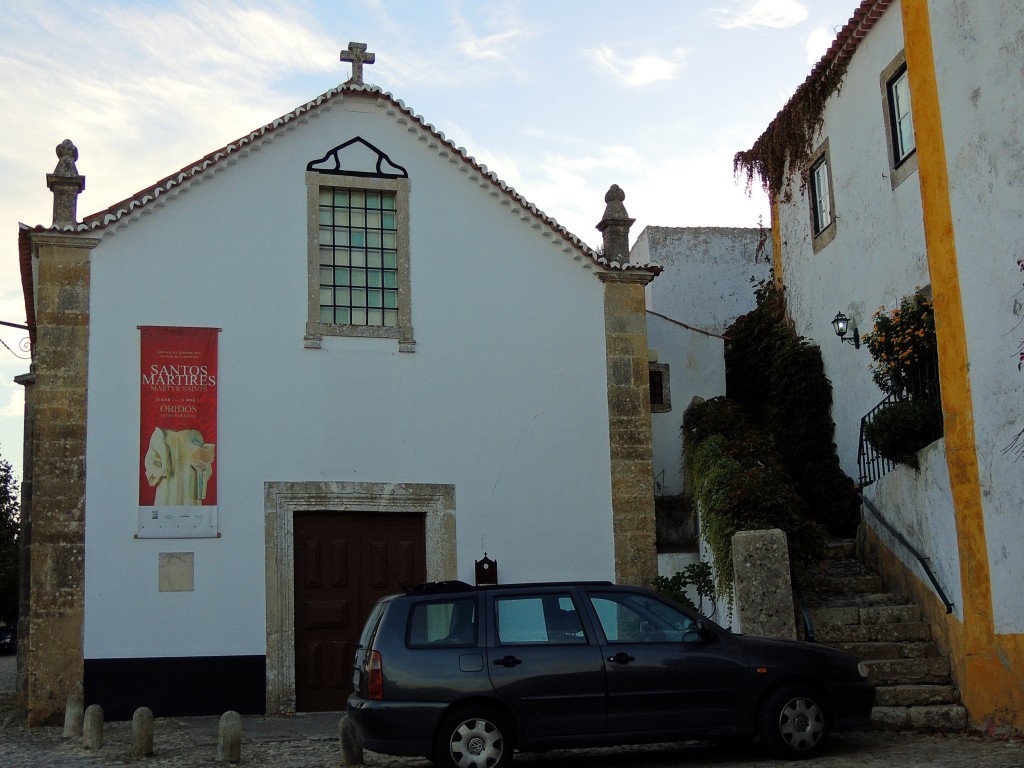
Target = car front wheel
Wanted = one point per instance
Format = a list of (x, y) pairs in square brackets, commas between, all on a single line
[(793, 723), (474, 737)]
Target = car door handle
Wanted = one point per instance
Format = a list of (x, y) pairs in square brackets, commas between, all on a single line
[(508, 661), (621, 658)]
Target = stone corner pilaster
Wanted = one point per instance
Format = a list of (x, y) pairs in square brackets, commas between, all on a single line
[(55, 441), (629, 428)]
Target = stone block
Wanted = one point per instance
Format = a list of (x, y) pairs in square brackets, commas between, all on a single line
[(930, 671), (92, 727), (762, 583), (915, 695), (939, 717), (74, 714), (229, 738), (142, 733), (888, 614), (351, 751), (176, 571)]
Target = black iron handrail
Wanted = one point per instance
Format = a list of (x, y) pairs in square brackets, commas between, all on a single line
[(910, 548), (870, 462), (805, 612), (924, 385)]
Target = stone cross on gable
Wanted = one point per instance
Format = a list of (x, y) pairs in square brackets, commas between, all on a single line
[(357, 54)]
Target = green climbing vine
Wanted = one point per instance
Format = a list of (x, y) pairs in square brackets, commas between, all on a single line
[(788, 141)]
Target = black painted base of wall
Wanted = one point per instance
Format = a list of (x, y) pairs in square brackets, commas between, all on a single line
[(195, 685)]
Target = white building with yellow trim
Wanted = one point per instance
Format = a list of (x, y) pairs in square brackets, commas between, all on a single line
[(892, 198)]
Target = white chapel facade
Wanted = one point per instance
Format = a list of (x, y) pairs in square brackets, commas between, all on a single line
[(366, 361)]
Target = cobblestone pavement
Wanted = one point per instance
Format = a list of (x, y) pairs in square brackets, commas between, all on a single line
[(311, 742)]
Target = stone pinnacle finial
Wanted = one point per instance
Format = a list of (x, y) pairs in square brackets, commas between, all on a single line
[(614, 225), (357, 54), (66, 184), (67, 156)]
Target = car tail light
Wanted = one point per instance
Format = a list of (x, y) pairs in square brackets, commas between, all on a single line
[(375, 677)]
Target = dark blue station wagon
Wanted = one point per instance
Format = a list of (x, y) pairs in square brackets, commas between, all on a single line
[(466, 675)]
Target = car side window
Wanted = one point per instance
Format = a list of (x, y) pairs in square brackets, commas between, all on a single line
[(538, 619), (632, 617), (444, 623)]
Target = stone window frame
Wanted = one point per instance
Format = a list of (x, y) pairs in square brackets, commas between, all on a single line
[(899, 169), (315, 329), (282, 500), (821, 236), (665, 406)]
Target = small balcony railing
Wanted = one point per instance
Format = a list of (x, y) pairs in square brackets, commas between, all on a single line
[(925, 386)]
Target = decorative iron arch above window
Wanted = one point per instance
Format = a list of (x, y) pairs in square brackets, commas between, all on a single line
[(358, 157)]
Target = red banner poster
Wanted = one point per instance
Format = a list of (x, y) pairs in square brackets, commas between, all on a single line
[(178, 432)]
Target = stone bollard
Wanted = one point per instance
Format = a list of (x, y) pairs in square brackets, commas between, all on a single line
[(73, 715), (92, 727), (142, 732), (229, 738), (351, 752)]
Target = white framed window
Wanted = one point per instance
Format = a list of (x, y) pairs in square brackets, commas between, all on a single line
[(821, 197), (902, 121), (358, 251), (899, 120), (821, 191)]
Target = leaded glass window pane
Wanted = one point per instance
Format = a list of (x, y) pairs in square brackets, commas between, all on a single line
[(358, 248)]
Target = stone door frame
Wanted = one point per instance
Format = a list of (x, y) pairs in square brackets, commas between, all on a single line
[(281, 500)]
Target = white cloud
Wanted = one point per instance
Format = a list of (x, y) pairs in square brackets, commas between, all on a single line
[(777, 14), (818, 43), (508, 33), (642, 70)]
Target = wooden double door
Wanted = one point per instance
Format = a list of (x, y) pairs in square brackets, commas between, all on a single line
[(344, 562)]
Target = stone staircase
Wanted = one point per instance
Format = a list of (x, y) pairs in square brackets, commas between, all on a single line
[(851, 610)]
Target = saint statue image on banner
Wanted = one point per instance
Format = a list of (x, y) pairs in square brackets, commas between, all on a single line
[(179, 464)]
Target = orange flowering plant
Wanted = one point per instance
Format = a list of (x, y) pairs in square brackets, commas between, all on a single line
[(902, 346)]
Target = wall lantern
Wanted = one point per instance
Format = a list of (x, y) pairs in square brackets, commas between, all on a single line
[(841, 325)]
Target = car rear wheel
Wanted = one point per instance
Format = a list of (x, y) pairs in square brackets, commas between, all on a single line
[(474, 737), (793, 723)]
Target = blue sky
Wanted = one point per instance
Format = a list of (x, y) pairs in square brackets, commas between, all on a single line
[(560, 98)]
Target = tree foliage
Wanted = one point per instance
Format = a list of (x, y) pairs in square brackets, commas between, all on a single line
[(10, 520), (741, 485), (779, 379)]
